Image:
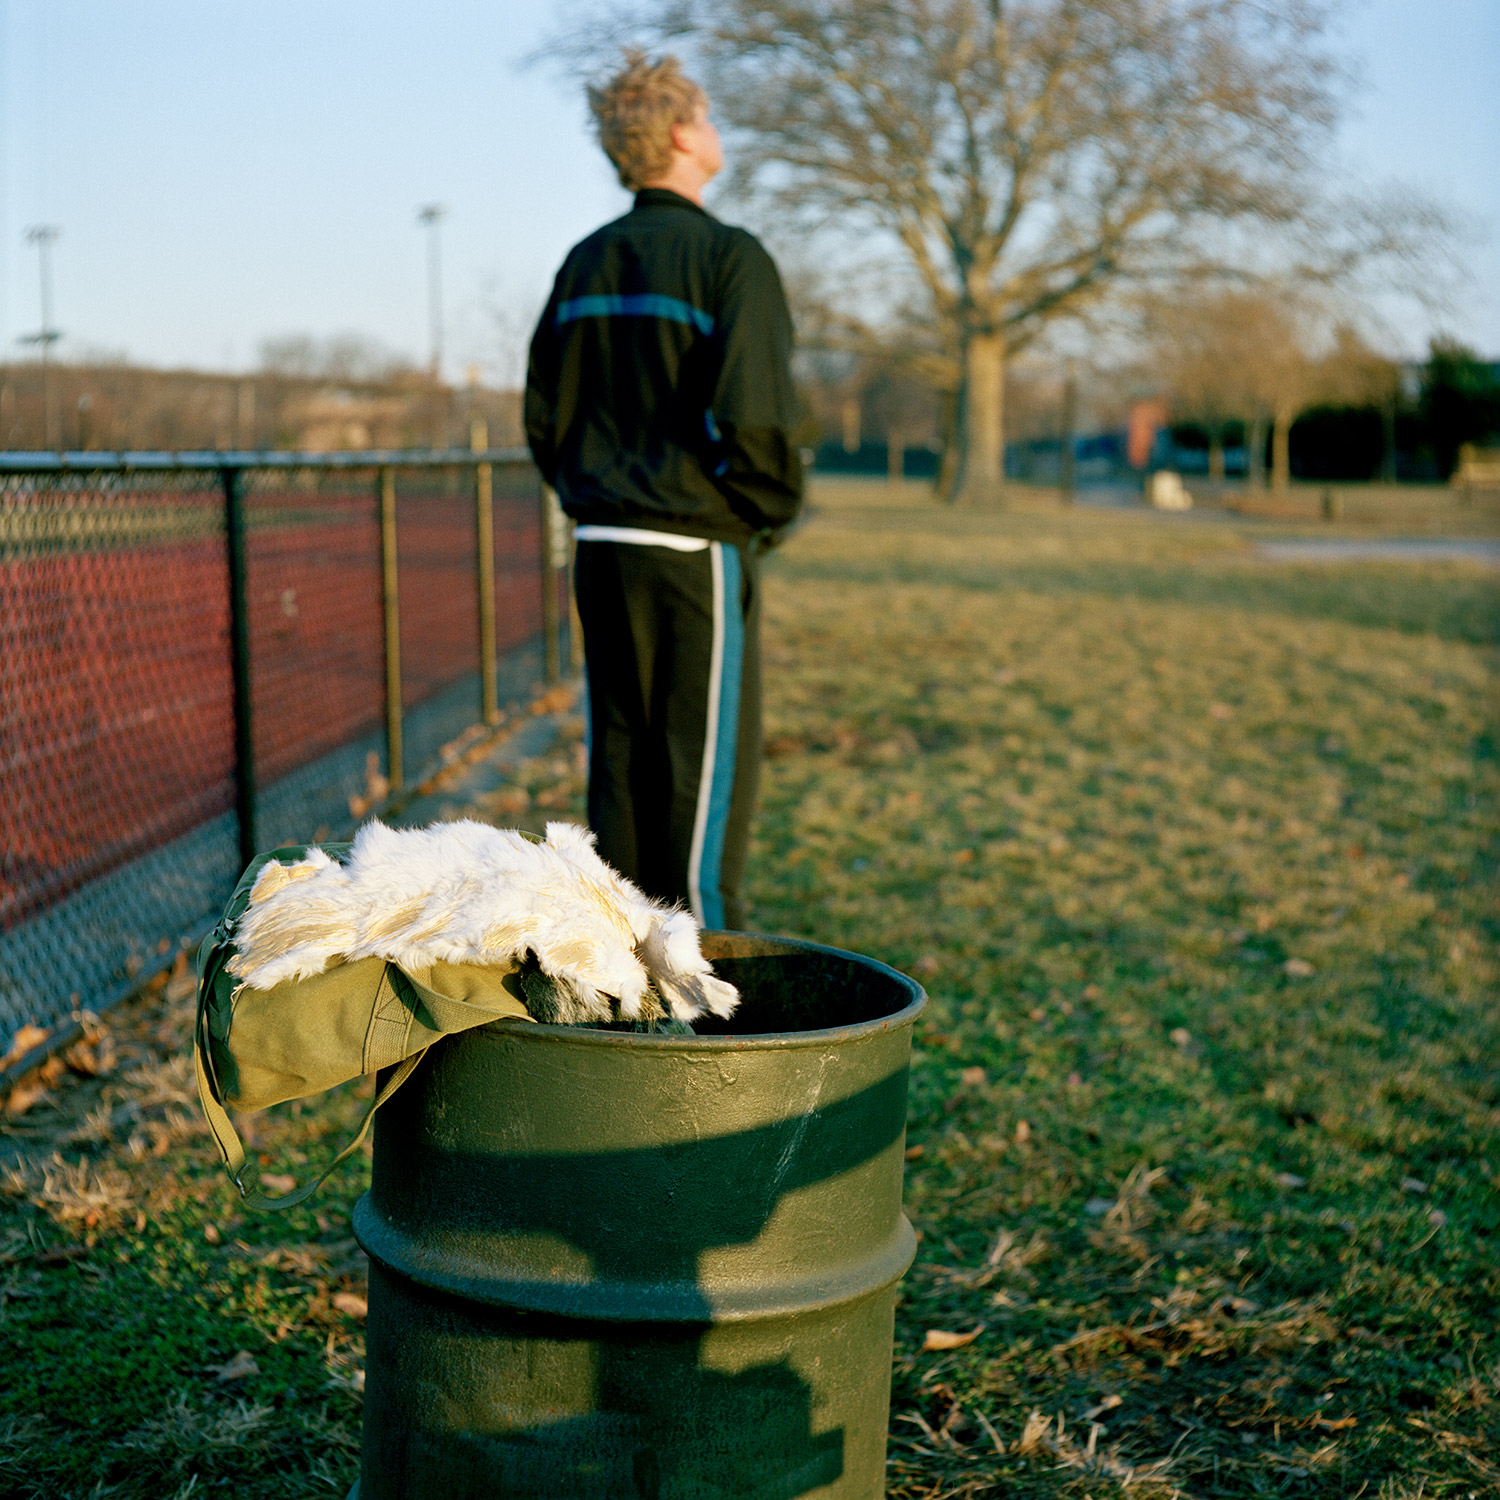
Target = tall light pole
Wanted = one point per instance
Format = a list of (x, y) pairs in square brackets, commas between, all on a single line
[(432, 217), (43, 236)]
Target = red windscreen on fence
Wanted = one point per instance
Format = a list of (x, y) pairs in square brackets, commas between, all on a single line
[(317, 656), (437, 546), (116, 719), (116, 684), (518, 557)]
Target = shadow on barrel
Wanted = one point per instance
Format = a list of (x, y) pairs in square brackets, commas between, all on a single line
[(614, 1266)]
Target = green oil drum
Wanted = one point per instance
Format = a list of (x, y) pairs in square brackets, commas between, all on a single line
[(607, 1266)]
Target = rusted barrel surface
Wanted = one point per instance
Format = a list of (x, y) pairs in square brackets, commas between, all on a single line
[(607, 1265)]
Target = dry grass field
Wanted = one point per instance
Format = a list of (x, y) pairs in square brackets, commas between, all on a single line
[(1196, 856)]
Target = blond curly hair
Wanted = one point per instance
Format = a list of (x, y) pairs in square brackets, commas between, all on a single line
[(635, 111)]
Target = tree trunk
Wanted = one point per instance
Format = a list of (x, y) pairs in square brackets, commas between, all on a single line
[(946, 483), (982, 419), (895, 456), (851, 434), (1067, 475), (1388, 440), (1216, 454), (1255, 454), (1281, 452)]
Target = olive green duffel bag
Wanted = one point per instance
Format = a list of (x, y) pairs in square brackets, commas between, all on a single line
[(254, 1048)]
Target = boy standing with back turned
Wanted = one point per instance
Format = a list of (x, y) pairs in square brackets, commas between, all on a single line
[(660, 406)]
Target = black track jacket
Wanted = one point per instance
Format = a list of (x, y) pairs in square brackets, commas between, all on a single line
[(659, 392)]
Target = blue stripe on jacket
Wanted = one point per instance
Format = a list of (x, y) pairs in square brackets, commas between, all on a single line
[(634, 305), (726, 742)]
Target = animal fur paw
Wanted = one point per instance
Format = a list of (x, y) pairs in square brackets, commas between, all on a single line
[(679, 971)]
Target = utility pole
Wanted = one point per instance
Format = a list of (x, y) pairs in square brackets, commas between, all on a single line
[(43, 237), (432, 217)]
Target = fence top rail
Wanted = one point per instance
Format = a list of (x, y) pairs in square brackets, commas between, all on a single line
[(33, 462)]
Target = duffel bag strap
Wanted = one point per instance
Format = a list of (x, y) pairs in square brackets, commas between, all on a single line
[(239, 1166)]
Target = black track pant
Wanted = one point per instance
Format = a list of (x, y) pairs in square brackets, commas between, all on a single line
[(671, 641)]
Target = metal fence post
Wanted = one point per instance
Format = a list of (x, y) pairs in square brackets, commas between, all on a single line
[(239, 660), (552, 645), (484, 525), (390, 598)]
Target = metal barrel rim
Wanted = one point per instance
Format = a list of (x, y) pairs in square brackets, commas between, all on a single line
[(748, 1040), (631, 1301)]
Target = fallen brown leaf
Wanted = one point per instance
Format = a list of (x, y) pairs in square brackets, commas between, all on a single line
[(24, 1040), (351, 1303), (92, 1056), (24, 1095), (779, 745), (277, 1182), (941, 1338)]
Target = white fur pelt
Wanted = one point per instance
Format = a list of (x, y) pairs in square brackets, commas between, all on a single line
[(467, 893)]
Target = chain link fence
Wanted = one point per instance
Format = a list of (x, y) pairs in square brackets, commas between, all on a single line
[(206, 654)]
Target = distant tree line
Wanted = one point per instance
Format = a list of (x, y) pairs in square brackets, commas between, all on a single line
[(1342, 411), (305, 396), (1347, 414)]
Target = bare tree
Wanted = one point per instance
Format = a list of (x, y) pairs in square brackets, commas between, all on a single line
[(1023, 156), (1201, 345), (340, 356), (1283, 374), (1263, 354)]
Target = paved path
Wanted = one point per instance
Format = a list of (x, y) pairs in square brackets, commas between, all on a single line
[(1383, 549)]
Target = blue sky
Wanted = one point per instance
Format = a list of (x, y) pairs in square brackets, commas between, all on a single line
[(223, 173)]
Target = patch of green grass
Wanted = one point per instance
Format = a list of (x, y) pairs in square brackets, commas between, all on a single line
[(128, 1282), (1196, 856)]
